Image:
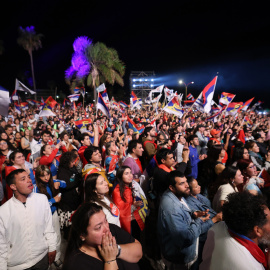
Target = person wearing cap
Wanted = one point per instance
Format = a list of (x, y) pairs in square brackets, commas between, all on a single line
[(36, 138), (248, 134), (202, 147), (45, 139), (260, 141), (215, 133)]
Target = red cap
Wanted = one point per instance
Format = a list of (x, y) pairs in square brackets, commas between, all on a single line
[(214, 132)]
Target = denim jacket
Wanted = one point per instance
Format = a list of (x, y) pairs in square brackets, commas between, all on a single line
[(177, 230), (202, 204)]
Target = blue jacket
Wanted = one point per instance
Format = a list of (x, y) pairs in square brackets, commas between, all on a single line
[(51, 200), (202, 204), (177, 230), (194, 160)]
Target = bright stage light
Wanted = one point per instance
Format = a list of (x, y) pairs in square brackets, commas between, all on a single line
[(152, 85), (134, 85), (152, 80)]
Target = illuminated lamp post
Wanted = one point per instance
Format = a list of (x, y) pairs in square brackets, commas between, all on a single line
[(186, 85)]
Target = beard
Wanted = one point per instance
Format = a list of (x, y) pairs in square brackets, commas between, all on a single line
[(265, 239), (182, 194)]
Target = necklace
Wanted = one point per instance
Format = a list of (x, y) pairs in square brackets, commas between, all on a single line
[(89, 253)]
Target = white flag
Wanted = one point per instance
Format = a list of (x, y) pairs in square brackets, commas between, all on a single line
[(4, 101), (101, 88), (46, 112), (21, 87)]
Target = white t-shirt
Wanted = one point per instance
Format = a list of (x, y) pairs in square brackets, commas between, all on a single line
[(113, 215), (223, 252), (221, 195)]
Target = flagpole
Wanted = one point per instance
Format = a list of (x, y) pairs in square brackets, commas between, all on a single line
[(193, 104)]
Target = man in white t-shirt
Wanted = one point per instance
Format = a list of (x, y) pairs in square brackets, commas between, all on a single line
[(233, 243)]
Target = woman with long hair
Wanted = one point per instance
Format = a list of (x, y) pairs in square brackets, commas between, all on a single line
[(113, 159), (96, 190), (18, 140), (254, 153), (49, 157), (210, 167), (239, 153), (25, 142), (90, 132), (131, 201), (71, 198), (252, 182), (45, 184), (98, 245), (226, 184)]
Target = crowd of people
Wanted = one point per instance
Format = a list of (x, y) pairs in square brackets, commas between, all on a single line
[(177, 193)]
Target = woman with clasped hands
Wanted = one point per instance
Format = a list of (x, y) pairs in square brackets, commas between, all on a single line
[(95, 244)]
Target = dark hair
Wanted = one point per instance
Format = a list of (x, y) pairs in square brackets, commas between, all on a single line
[(63, 134), (66, 159), (12, 156), (82, 136), (10, 179), (242, 164), (214, 152), (131, 145), (224, 178), (107, 147), (162, 154), (122, 185), (10, 146), (146, 130), (191, 138), (89, 190), (43, 186), (237, 153), (249, 144), (190, 179), (80, 222), (89, 152), (45, 132), (243, 211), (172, 175), (42, 149)]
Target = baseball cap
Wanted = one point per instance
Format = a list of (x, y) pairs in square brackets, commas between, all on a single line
[(214, 132), (37, 132)]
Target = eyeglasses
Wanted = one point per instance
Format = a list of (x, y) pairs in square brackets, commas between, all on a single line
[(4, 143)]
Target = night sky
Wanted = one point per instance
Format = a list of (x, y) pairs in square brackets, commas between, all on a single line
[(189, 40)]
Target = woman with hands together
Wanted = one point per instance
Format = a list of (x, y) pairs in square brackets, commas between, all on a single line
[(97, 245)]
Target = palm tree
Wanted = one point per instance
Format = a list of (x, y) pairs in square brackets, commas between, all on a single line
[(96, 63), (30, 41)]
